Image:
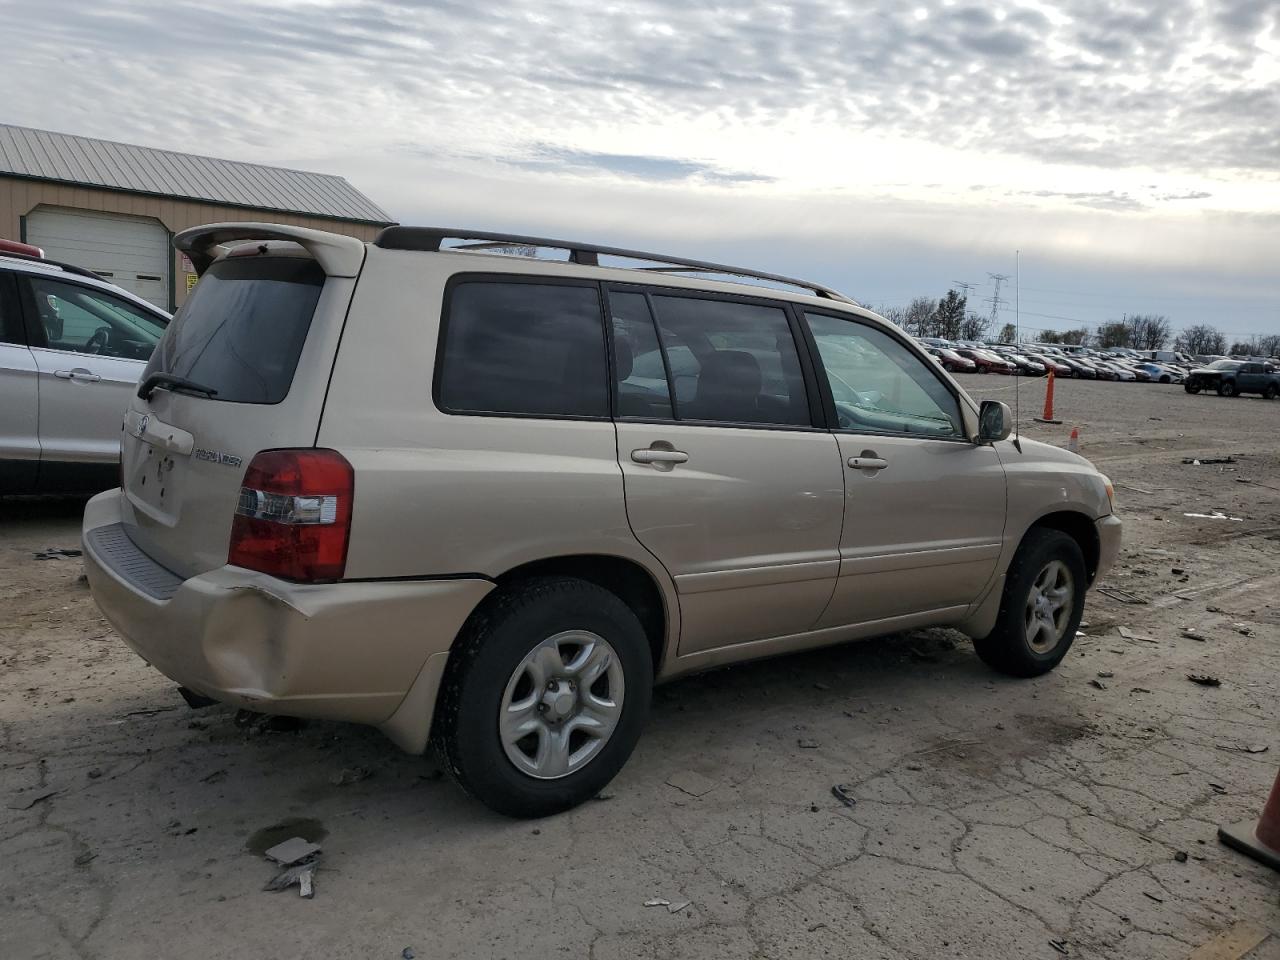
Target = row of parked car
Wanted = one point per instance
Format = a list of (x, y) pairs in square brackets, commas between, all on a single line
[(1036, 360)]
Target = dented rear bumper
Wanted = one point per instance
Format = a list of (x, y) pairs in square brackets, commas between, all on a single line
[(342, 651)]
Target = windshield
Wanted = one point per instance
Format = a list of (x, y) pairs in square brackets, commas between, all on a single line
[(1225, 365)]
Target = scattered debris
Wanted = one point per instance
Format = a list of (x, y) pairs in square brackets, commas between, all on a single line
[(1231, 944), (1136, 489), (1180, 856), (55, 553), (1177, 571), (806, 744), (407, 954), (1243, 629), (1204, 679), (1152, 896), (87, 857), (842, 793), (1098, 684), (1139, 690), (691, 782), (1214, 516), (82, 580), (678, 906), (1194, 635), (302, 875), (1244, 747), (657, 902), (293, 851), (1121, 595), (1218, 788), (151, 712), (350, 775), (816, 926), (94, 774), (1105, 674), (216, 777), (822, 686), (1059, 945), (1130, 635)]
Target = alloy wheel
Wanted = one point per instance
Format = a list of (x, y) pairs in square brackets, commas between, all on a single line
[(1049, 605)]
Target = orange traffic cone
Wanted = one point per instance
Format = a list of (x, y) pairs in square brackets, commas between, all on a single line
[(1074, 443), (1047, 416), (1262, 842)]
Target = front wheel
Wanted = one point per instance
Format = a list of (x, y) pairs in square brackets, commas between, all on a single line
[(1270, 392), (1227, 388), (1041, 607), (982, 369), (544, 697)]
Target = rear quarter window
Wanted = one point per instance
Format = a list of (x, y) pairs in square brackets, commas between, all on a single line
[(523, 349), (242, 329)]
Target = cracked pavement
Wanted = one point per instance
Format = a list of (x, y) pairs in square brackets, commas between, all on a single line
[(993, 817)]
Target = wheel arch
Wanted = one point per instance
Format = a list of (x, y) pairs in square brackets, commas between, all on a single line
[(1080, 527), (625, 578)]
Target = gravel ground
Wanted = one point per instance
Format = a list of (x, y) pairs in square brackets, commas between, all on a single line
[(994, 818)]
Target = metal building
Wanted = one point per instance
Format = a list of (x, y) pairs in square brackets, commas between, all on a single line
[(114, 207)]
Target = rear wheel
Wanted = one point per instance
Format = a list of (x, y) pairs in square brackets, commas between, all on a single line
[(982, 369), (1041, 607), (1270, 392), (545, 696), (1227, 388), (1191, 387)]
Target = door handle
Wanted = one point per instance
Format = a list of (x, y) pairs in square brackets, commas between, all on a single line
[(84, 376), (650, 455), (867, 463)]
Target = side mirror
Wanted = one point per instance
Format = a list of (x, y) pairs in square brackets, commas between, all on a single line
[(995, 422)]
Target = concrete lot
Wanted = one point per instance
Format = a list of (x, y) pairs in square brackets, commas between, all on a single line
[(994, 817)]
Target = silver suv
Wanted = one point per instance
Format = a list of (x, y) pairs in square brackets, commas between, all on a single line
[(71, 349), (483, 501)]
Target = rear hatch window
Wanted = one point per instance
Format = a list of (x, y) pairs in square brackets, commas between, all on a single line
[(242, 330)]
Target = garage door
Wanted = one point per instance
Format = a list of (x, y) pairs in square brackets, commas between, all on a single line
[(131, 252)]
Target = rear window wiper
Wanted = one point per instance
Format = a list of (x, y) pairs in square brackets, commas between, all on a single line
[(173, 382)]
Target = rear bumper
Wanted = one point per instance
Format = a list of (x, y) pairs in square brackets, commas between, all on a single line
[(343, 651), (1108, 544)]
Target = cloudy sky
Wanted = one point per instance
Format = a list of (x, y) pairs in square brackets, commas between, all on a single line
[(1131, 151)]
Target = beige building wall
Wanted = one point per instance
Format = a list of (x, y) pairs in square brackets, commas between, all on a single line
[(18, 197)]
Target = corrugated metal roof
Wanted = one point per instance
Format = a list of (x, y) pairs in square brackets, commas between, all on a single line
[(84, 161)]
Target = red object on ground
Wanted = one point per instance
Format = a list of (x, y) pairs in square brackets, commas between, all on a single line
[(1262, 842), (27, 249), (1074, 443), (1047, 416)]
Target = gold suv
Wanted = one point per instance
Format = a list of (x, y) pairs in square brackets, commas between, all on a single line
[(481, 491)]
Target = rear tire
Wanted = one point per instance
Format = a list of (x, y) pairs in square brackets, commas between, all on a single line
[(1038, 619), (1270, 392), (1227, 388), (1191, 387), (982, 369), (490, 675)]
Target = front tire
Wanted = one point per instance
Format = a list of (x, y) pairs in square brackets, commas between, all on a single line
[(544, 697), (1041, 607), (1227, 388), (1270, 392)]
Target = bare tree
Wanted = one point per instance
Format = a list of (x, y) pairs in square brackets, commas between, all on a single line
[(920, 317), (1148, 331), (974, 327), (1201, 338), (895, 315), (1265, 346)]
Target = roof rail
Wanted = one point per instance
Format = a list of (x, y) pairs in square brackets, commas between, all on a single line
[(68, 267), (429, 239)]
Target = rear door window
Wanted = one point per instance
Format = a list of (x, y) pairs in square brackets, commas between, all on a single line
[(523, 349), (732, 362), (242, 329)]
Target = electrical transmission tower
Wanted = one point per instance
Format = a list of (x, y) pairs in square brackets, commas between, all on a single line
[(966, 286), (995, 299)]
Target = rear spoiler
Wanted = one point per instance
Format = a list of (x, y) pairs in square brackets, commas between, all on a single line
[(337, 255)]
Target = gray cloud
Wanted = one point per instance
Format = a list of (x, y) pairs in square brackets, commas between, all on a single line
[(961, 76)]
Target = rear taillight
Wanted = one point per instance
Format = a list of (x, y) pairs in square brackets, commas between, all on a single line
[(294, 515)]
